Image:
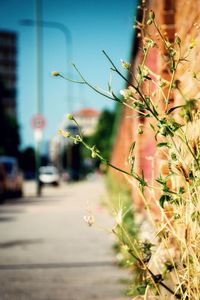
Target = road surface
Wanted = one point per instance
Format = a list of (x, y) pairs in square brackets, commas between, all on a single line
[(47, 251)]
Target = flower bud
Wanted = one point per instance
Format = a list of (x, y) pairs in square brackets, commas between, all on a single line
[(140, 129), (70, 117), (194, 75), (66, 134), (177, 40), (55, 73), (149, 22), (173, 156), (192, 44), (78, 138), (60, 131), (151, 15), (163, 130), (125, 64), (93, 154)]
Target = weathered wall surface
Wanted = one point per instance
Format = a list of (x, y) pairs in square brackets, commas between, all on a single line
[(181, 17), (187, 22)]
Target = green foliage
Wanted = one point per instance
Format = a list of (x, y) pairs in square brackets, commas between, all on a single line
[(119, 198), (27, 161), (102, 141), (102, 137)]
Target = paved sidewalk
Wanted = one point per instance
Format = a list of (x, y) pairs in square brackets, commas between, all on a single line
[(48, 252)]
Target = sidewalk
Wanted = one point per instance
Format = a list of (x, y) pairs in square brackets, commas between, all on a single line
[(64, 259)]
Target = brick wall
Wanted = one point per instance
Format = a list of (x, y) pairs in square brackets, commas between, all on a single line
[(187, 21), (174, 16), (147, 158)]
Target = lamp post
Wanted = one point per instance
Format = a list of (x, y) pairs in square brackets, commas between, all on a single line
[(39, 23), (68, 44), (39, 68), (54, 25)]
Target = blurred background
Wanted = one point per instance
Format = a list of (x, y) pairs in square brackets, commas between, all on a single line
[(46, 182), (41, 36)]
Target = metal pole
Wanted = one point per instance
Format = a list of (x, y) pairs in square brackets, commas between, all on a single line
[(68, 43), (39, 86), (69, 49)]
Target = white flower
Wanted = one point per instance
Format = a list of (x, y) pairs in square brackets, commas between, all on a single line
[(119, 217), (55, 73), (125, 64), (127, 93), (89, 220)]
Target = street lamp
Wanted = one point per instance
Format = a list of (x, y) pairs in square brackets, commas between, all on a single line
[(54, 25), (68, 42)]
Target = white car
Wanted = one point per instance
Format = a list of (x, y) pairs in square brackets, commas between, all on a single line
[(49, 175)]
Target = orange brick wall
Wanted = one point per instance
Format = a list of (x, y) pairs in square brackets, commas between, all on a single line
[(145, 146), (123, 141), (174, 16), (187, 21)]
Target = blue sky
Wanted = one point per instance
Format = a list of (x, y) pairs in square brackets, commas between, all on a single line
[(94, 26)]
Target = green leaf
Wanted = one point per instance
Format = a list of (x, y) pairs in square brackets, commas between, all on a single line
[(132, 165), (116, 98), (173, 156), (142, 182), (161, 180), (181, 190), (147, 77), (131, 149), (173, 108), (152, 127), (110, 83), (162, 145), (163, 199), (155, 111)]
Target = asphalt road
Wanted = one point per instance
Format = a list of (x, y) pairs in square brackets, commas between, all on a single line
[(47, 251)]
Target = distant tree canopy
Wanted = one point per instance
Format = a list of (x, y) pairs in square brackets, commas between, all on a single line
[(102, 138), (27, 161)]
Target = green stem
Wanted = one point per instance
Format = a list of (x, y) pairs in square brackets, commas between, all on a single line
[(160, 33), (146, 103), (135, 176), (71, 80), (115, 68), (185, 141), (153, 276), (169, 90), (91, 86)]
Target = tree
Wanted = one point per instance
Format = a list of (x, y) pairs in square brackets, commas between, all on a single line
[(27, 161), (102, 137)]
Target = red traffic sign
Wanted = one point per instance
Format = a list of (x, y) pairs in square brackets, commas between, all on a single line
[(38, 122)]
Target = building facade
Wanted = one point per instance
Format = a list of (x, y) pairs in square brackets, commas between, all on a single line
[(8, 69), (87, 118)]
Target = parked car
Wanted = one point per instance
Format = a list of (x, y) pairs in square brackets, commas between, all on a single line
[(49, 175), (11, 178), (2, 183)]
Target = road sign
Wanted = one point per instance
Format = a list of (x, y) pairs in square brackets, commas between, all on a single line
[(38, 122)]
